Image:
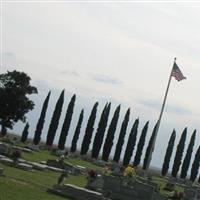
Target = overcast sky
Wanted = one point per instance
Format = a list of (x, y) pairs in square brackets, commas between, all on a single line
[(121, 52)]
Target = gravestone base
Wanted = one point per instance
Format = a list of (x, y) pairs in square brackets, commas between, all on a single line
[(76, 192)]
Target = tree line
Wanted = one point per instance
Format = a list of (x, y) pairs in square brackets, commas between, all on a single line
[(101, 134)]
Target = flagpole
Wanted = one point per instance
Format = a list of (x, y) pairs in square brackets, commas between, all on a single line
[(159, 119)]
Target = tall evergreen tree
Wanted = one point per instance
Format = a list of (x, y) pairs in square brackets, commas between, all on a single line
[(25, 133), (131, 143), (140, 145), (40, 123), (77, 132), (66, 123), (149, 147), (179, 153), (55, 120), (98, 140), (121, 137), (187, 159), (89, 130), (168, 153), (195, 166), (110, 135)]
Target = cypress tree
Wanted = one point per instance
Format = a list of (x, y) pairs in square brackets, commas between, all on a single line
[(131, 143), (55, 120), (187, 159), (168, 153), (77, 132), (89, 130), (25, 133), (121, 137), (195, 166), (140, 145), (66, 123), (179, 153), (110, 135), (98, 140), (40, 123), (149, 147)]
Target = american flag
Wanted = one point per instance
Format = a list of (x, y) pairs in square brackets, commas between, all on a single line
[(176, 73)]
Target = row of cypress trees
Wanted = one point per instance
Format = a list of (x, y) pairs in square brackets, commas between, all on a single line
[(100, 133), (179, 156)]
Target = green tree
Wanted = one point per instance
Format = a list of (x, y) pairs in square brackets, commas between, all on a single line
[(89, 130), (77, 132), (40, 123), (121, 136), (110, 135), (179, 153), (140, 145), (55, 120), (98, 140), (25, 133), (14, 103), (149, 147), (66, 124), (168, 153), (131, 143), (187, 159), (195, 166)]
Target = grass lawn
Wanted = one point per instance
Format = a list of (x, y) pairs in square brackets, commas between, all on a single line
[(23, 185), (38, 156)]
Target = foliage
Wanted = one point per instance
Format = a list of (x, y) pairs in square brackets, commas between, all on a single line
[(55, 120), (98, 140), (131, 143), (168, 153), (89, 130), (187, 159), (141, 145), (14, 103), (149, 148), (66, 124), (121, 136), (179, 153), (110, 135), (195, 166), (25, 133), (40, 123), (77, 132)]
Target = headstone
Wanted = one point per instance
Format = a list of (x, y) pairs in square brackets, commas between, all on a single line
[(7, 161), (55, 169), (81, 168), (64, 165), (170, 186), (26, 150), (192, 194), (126, 189), (38, 166), (24, 166), (5, 149), (33, 147), (76, 192), (116, 169), (95, 184)]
